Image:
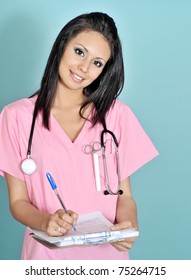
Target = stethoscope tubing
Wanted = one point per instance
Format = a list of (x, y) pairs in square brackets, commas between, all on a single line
[(109, 190)]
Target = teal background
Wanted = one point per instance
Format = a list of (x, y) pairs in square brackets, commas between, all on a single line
[(156, 39)]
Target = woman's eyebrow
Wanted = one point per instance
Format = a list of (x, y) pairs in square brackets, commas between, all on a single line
[(82, 46)]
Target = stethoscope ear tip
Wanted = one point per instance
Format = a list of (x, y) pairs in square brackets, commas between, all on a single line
[(120, 192), (105, 192)]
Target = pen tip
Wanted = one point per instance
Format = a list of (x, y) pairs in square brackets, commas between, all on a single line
[(74, 228)]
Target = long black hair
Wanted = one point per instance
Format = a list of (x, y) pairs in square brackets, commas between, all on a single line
[(103, 91)]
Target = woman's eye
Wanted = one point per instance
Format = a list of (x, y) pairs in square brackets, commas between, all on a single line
[(79, 52), (98, 63)]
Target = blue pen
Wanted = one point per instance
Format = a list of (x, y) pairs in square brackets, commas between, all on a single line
[(54, 187)]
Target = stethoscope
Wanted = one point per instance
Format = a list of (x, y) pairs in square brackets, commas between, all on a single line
[(29, 166), (109, 190)]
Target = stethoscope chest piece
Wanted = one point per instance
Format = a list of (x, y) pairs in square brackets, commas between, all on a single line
[(28, 166)]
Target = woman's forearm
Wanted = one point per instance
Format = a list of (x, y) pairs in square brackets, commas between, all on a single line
[(28, 215), (126, 211), (126, 207)]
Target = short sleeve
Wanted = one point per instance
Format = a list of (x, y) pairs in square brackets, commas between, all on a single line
[(135, 147), (10, 156)]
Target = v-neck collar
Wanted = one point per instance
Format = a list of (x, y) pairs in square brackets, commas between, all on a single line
[(55, 127)]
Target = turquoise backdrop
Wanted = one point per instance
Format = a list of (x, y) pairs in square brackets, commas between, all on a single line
[(156, 39)]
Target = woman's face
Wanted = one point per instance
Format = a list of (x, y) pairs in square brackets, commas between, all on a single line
[(83, 60)]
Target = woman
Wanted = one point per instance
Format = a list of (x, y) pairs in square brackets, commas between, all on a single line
[(76, 101)]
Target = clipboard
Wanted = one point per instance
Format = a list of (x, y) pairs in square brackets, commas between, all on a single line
[(92, 229)]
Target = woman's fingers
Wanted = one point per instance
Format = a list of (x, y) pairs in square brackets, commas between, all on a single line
[(61, 222)]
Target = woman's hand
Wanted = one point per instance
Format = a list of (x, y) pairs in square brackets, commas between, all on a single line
[(127, 243), (61, 222)]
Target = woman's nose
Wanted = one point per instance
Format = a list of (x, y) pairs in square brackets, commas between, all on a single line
[(84, 66)]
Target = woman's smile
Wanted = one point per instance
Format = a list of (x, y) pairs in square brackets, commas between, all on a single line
[(76, 77)]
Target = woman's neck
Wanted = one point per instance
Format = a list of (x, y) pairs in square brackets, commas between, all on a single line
[(68, 98)]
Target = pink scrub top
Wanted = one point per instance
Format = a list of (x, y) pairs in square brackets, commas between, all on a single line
[(71, 168)]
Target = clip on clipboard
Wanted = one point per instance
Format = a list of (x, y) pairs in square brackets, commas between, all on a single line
[(91, 229)]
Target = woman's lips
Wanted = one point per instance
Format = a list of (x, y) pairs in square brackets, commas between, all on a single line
[(76, 77)]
